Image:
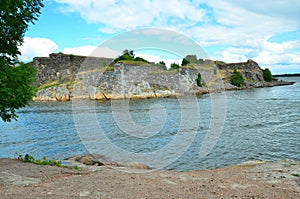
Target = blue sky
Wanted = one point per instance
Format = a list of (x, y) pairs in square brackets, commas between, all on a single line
[(230, 30)]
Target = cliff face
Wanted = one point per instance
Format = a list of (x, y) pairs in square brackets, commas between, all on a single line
[(72, 77), (250, 70)]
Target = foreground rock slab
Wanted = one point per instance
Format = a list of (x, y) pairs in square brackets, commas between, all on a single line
[(252, 180)]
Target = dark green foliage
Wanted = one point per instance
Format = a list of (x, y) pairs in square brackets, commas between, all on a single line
[(267, 75), (16, 90), (16, 82), (174, 66), (126, 56), (44, 161), (15, 17), (199, 80), (237, 78), (129, 53), (72, 57), (162, 63), (184, 62), (141, 59), (129, 56)]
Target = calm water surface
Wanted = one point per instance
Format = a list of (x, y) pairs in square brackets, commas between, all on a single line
[(260, 124)]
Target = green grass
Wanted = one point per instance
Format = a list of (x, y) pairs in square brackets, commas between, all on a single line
[(207, 66), (295, 174), (44, 161), (109, 68), (48, 85), (69, 84), (131, 62), (188, 67)]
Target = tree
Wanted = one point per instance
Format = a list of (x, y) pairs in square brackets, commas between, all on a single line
[(174, 66), (17, 89), (267, 75), (199, 80), (237, 78), (129, 53), (16, 80), (15, 17), (184, 62), (162, 63), (126, 56)]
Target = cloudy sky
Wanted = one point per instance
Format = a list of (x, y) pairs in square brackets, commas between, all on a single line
[(230, 30)]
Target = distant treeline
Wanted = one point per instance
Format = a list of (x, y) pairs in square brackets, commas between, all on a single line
[(288, 75)]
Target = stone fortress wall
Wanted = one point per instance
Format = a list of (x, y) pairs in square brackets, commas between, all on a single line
[(92, 80), (59, 66)]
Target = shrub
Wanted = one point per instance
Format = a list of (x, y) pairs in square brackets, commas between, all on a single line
[(174, 66), (267, 75), (44, 161), (184, 62), (199, 80), (141, 59), (162, 63), (127, 56), (237, 78)]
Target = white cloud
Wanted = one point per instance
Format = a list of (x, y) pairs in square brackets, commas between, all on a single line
[(268, 58), (83, 50), (237, 25), (269, 54), (279, 48), (241, 29), (280, 9), (36, 47), (92, 51), (130, 14)]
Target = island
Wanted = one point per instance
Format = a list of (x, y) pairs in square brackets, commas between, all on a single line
[(63, 77)]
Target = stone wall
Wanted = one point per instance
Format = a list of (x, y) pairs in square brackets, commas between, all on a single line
[(91, 80), (62, 67), (130, 81)]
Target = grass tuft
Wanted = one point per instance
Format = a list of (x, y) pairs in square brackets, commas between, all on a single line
[(44, 161)]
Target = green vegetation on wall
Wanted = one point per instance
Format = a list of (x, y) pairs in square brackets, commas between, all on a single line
[(128, 55), (237, 78), (199, 80)]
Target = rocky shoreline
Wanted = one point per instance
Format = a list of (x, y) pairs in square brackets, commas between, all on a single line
[(62, 93), (260, 179)]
